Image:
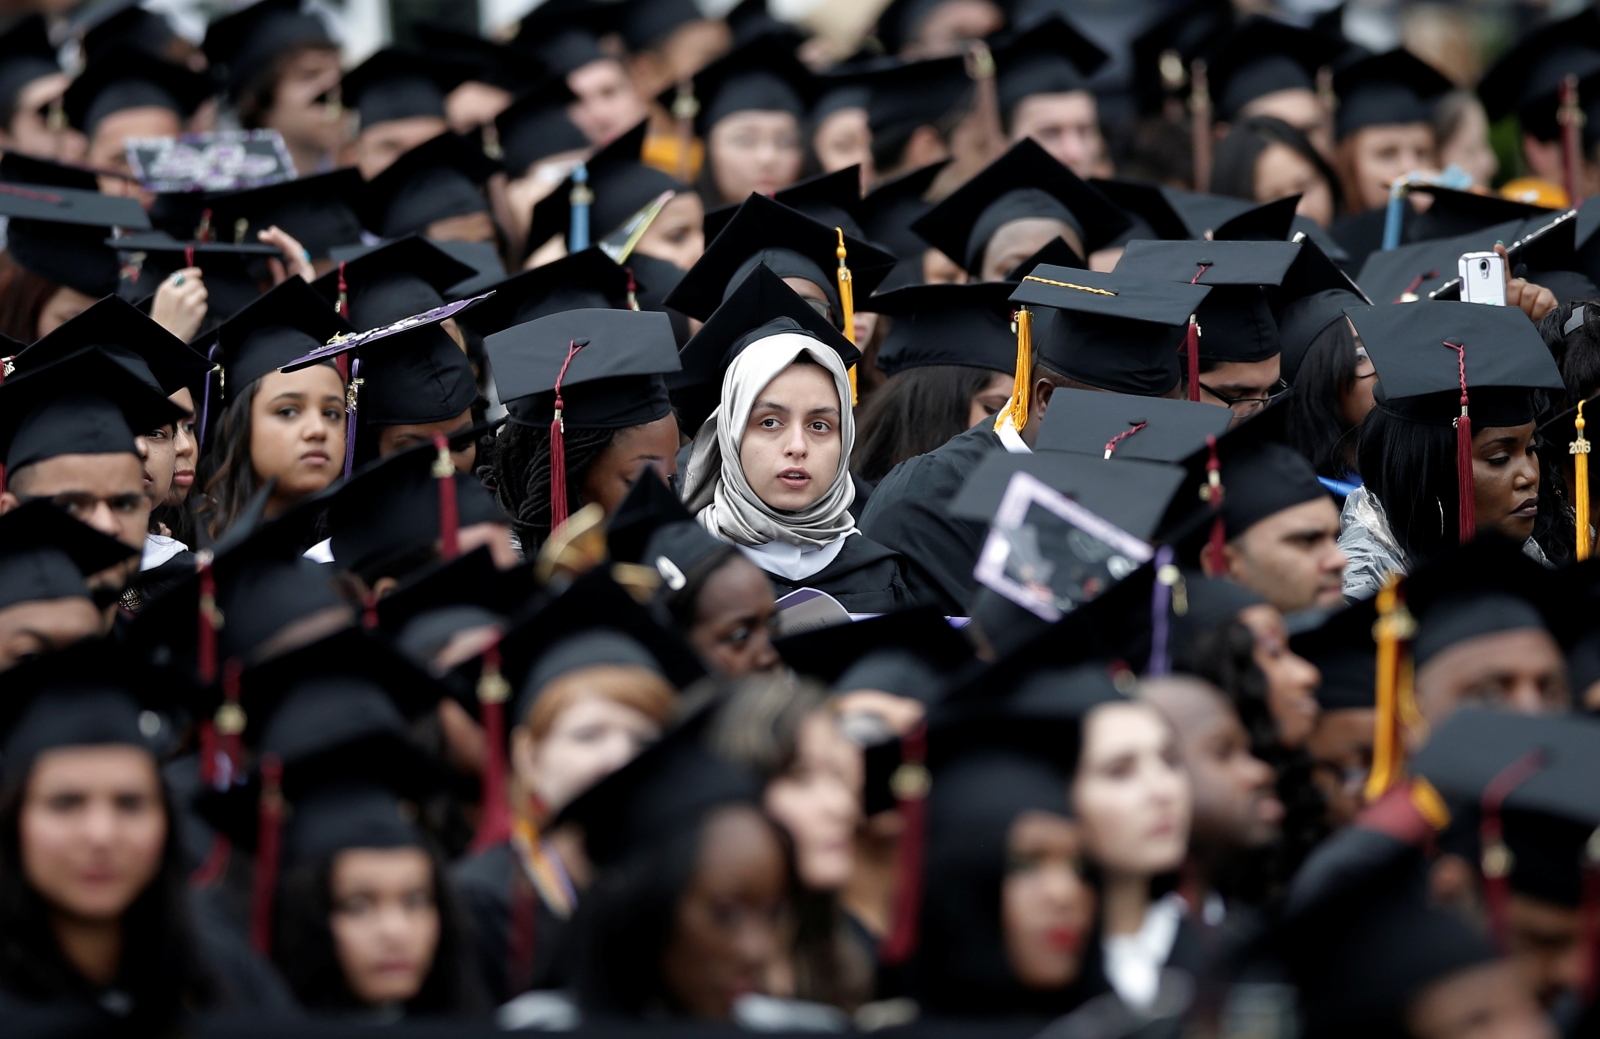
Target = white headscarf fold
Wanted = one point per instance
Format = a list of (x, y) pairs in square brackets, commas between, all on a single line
[(715, 488)]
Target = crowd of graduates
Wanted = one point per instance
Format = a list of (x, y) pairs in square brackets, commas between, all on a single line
[(642, 520)]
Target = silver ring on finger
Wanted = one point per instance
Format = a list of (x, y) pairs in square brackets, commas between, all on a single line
[(177, 279)]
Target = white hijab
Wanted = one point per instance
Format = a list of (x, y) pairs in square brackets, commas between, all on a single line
[(715, 488)]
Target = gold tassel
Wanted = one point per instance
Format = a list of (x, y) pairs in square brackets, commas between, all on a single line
[(847, 304), (1580, 481), (1016, 410), (1396, 707)]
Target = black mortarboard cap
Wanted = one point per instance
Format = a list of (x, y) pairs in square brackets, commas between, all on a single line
[(1384, 90), (1236, 321), (1050, 57), (565, 34), (469, 582), (125, 78), (396, 280), (760, 306), (620, 184), (1155, 429), (25, 55), (416, 376), (1313, 295), (1110, 331), (1388, 276), (45, 554), (86, 403), (536, 125), (1262, 56), (318, 211), (436, 180), (1024, 182), (1343, 650), (1463, 212), (653, 528), (762, 75), (788, 243), (1527, 78), (835, 653), (833, 199), (586, 280), (1132, 495), (401, 83), (233, 273), (241, 45), (1161, 53), (1170, 213), (490, 61), (614, 379), (284, 324), (751, 18), (59, 234), (887, 213), (968, 325), (1261, 474), (17, 168), (123, 23), (903, 95), (1485, 587), (654, 280), (160, 359), (648, 22)]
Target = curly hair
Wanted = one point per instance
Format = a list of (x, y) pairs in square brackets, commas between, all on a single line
[(518, 471)]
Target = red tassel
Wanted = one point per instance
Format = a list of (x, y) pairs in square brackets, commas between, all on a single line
[(342, 308), (523, 940), (208, 752), (633, 289), (269, 823), (444, 473), (1466, 503), (1191, 349), (910, 785), (188, 256), (558, 445), (1211, 493), (209, 620), (369, 611), (494, 814), (203, 232), (1589, 920), (1111, 445), (1496, 862)]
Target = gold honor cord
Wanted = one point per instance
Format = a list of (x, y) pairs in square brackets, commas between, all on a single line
[(847, 305), (1070, 285)]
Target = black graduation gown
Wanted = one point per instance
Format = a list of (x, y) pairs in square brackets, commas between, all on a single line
[(865, 577), (907, 515), (488, 883)]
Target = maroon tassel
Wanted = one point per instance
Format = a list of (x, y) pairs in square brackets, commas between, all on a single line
[(208, 752), (188, 256), (215, 866), (342, 308), (558, 445), (1111, 445), (494, 814), (269, 823), (444, 473), (1496, 861), (1589, 919), (203, 232), (209, 620), (1211, 493), (910, 785), (1191, 350), (633, 289), (1466, 503), (523, 940), (369, 611)]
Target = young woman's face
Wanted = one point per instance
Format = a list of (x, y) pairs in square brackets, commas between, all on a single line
[(60, 308), (158, 450), (791, 447), (1019, 239), (297, 430), (817, 802), (1131, 795), (732, 631), (727, 927), (92, 829), (987, 402), (384, 920), (185, 450), (676, 234), (1292, 680), (653, 445), (1379, 154), (297, 113), (1505, 479), (843, 139), (589, 740), (1046, 908), (1281, 171), (754, 152), (1356, 401)]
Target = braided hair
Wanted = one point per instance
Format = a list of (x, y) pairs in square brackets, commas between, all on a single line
[(519, 472)]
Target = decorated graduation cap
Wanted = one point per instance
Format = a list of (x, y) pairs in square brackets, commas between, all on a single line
[(233, 273), (1050, 57), (790, 244), (283, 325), (160, 359), (1385, 90), (59, 234), (907, 653), (1461, 364), (1024, 182), (967, 325), (25, 55), (45, 554), (618, 185), (436, 180), (760, 306), (124, 78), (833, 199), (1527, 79), (1343, 650), (1122, 426), (1262, 56), (763, 75), (1131, 494), (87, 403), (587, 280), (1109, 331), (241, 46), (318, 211), (536, 126), (401, 83)]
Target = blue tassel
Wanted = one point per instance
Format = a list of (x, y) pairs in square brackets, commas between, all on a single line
[(581, 197)]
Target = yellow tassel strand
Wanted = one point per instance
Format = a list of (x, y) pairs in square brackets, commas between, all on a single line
[(1016, 410), (1394, 628), (1580, 482), (847, 304)]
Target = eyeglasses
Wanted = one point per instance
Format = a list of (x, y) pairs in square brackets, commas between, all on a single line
[(822, 307), (81, 506), (1250, 405)]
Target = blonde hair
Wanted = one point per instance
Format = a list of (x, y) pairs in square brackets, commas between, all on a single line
[(630, 685)]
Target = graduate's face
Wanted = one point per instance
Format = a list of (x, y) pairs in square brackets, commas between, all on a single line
[(1544, 942), (185, 450), (843, 139), (987, 402), (1281, 171), (1046, 907), (732, 630), (381, 143), (608, 103), (1520, 670), (31, 629), (1376, 156), (754, 152), (790, 452), (1292, 557), (1483, 1002), (158, 450), (1065, 125), (1131, 795), (676, 234), (948, 27), (1341, 756), (1292, 680), (384, 920), (1020, 239), (1505, 480), (394, 439), (64, 305), (727, 929), (591, 738), (296, 112), (106, 144), (297, 430), (817, 800), (92, 829), (630, 455), (1300, 108), (104, 491)]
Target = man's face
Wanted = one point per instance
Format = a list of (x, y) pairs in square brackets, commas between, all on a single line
[(104, 491), (1067, 126), (380, 144), (1544, 941), (1520, 671), (1244, 386), (1341, 756), (107, 149), (1292, 557), (31, 629)]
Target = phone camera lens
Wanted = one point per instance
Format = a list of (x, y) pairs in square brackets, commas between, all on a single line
[(1483, 266)]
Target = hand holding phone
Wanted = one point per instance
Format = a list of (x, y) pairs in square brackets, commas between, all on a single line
[(1483, 278)]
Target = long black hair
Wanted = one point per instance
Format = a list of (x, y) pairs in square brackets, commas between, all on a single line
[(1411, 468), (1233, 170), (518, 468), (159, 968), (303, 945), (225, 475), (916, 411), (1317, 427)]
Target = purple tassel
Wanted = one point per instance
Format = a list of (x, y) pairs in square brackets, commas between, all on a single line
[(350, 417), (1160, 601)]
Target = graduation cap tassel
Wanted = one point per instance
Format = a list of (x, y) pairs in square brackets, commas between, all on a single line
[(1167, 575), (205, 392), (444, 473), (1016, 410), (580, 200), (351, 392), (1466, 504), (1392, 630), (343, 306), (1570, 116), (188, 256), (684, 108), (230, 722), (209, 619), (1579, 449), (1497, 859), (1589, 918), (847, 305), (203, 232), (269, 826), (1211, 494), (558, 445), (633, 290), (910, 784), (494, 814)]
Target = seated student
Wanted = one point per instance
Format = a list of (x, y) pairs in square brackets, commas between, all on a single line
[(1343, 652), (398, 96), (434, 190), (1264, 159), (668, 42), (917, 111), (567, 39), (125, 94), (769, 468), (286, 427), (1042, 79), (1414, 502), (1266, 68), (53, 270), (45, 562), (1331, 380)]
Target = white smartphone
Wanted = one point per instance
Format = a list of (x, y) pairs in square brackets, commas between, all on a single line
[(1483, 278)]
